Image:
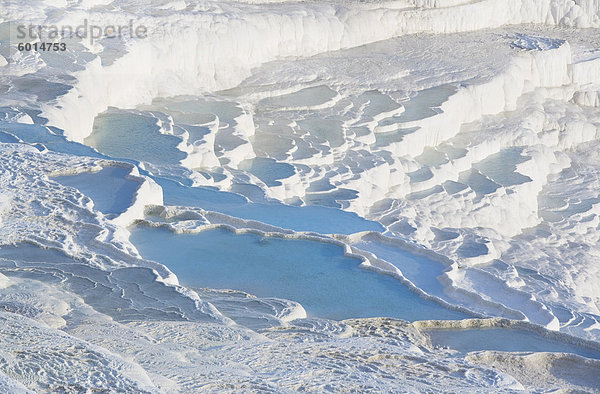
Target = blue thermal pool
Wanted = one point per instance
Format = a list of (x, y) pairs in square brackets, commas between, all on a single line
[(110, 189), (318, 275), (505, 340)]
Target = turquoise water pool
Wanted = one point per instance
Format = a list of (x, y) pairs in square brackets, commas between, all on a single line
[(318, 275), (110, 189), (504, 339), (324, 220)]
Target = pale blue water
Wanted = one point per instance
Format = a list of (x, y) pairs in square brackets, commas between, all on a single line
[(131, 136), (38, 134), (504, 339), (7, 138), (318, 275), (501, 167), (420, 270), (311, 96), (119, 134), (319, 219), (268, 170), (109, 188), (425, 103)]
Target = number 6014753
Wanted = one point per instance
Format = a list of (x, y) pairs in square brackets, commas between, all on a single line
[(42, 46)]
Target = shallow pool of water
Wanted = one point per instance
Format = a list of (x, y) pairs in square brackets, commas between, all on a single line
[(419, 269), (504, 339), (324, 220), (318, 275), (268, 170), (125, 135), (109, 188), (425, 103)]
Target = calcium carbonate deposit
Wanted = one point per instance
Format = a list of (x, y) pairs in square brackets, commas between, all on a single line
[(283, 195)]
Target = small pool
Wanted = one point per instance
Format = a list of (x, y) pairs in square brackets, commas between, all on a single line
[(127, 135), (419, 269), (109, 188), (504, 339), (318, 275), (324, 220), (426, 103), (268, 170)]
